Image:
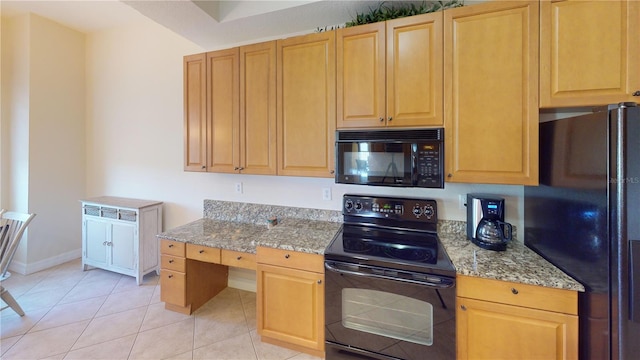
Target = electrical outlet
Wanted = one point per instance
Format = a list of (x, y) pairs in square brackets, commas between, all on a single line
[(326, 194), (238, 188), (462, 201)]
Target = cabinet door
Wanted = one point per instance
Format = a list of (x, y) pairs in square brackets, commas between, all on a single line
[(96, 238), (487, 330), (223, 107), (306, 111), (414, 71), (258, 108), (123, 247), (360, 74), (291, 306), (195, 112), (491, 87), (173, 287), (589, 52)]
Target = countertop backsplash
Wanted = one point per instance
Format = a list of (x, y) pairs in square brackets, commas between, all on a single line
[(259, 213)]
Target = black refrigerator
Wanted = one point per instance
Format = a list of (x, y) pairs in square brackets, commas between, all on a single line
[(584, 217)]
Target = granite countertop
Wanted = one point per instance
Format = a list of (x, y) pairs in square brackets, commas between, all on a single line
[(121, 202), (310, 236), (226, 225)]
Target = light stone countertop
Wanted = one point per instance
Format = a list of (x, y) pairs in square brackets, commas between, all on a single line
[(309, 231)]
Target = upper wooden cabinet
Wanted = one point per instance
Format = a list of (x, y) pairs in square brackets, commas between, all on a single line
[(490, 92), (589, 52), (258, 109), (306, 110), (230, 110), (195, 112), (223, 110), (390, 73)]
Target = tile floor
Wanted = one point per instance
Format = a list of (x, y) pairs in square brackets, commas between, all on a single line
[(96, 314)]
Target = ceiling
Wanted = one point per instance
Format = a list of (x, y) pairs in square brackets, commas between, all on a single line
[(210, 24)]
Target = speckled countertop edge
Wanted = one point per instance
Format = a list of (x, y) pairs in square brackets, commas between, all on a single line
[(242, 227)]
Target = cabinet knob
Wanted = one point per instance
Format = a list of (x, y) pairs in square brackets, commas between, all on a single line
[(170, 276), (170, 245), (201, 251), (319, 281), (462, 307), (332, 172), (449, 175), (171, 261), (514, 291), (241, 168), (381, 119), (239, 257), (286, 256), (104, 243), (390, 118), (204, 167), (236, 168), (637, 93)]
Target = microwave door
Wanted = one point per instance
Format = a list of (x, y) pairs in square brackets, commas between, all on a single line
[(374, 163)]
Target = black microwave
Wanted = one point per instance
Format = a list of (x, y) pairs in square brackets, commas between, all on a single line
[(403, 158)]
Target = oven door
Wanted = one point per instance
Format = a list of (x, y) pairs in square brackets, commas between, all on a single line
[(388, 314)]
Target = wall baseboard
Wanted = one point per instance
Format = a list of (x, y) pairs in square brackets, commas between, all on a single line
[(30, 268), (242, 279)]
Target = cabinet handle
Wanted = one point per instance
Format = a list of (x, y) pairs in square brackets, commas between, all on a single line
[(170, 276), (319, 281), (390, 118), (332, 172), (464, 308), (241, 168), (381, 119), (239, 257), (236, 168), (204, 167), (514, 291), (171, 261), (201, 251), (637, 93), (170, 245), (286, 256), (104, 243), (449, 175)]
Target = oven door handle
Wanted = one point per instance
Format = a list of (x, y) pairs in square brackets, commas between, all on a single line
[(443, 285)]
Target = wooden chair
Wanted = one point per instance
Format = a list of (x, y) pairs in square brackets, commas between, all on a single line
[(12, 226)]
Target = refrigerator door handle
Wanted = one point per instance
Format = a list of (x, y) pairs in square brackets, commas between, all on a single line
[(634, 280)]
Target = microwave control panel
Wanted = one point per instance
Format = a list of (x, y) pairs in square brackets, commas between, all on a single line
[(428, 161)]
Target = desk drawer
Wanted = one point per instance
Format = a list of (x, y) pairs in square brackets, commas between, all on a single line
[(173, 263), (171, 247), (291, 259), (173, 287), (203, 253), (238, 259)]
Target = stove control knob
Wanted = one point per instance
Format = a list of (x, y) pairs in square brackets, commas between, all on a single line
[(417, 210), (358, 206), (428, 211), (348, 205)]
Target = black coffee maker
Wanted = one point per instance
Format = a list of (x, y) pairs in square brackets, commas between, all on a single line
[(485, 222)]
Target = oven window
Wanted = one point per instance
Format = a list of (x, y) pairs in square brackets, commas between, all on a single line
[(386, 314)]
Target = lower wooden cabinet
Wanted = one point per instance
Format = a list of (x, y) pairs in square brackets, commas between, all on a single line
[(503, 320), (290, 299), (190, 275)]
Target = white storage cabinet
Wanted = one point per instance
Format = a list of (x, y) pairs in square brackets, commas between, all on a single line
[(119, 235)]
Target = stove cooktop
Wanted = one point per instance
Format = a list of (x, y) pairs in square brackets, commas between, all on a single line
[(395, 233)]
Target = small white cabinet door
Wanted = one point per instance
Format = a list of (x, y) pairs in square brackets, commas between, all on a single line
[(122, 246), (96, 239)]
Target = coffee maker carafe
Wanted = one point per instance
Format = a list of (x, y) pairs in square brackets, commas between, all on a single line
[(485, 222)]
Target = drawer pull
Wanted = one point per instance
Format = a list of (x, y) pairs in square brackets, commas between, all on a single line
[(201, 251), (171, 261), (514, 291), (286, 256), (319, 281), (170, 276), (239, 257), (463, 307), (170, 245)]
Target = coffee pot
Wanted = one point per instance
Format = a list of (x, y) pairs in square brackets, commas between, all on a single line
[(485, 222)]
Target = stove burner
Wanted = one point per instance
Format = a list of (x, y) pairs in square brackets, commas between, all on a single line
[(411, 254), (424, 252), (357, 246)]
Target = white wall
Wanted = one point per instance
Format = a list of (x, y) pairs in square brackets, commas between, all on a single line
[(45, 145)]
